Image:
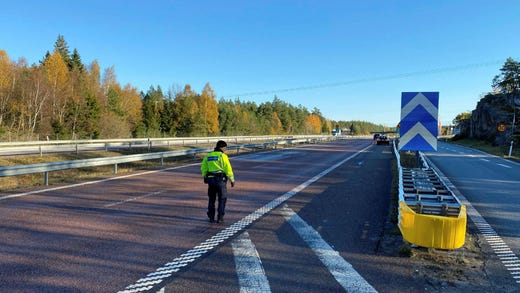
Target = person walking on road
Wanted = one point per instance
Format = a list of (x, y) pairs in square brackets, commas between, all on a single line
[(217, 171)]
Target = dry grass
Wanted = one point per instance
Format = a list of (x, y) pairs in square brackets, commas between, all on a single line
[(485, 146), (17, 183)]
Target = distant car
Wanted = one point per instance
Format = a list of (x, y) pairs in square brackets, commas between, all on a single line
[(382, 139), (377, 135)]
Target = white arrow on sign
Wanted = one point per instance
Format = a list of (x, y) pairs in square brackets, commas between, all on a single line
[(418, 128), (419, 99)]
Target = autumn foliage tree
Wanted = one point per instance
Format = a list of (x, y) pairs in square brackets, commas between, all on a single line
[(62, 98), (313, 124)]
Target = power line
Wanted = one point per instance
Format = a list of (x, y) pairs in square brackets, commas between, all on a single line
[(371, 79)]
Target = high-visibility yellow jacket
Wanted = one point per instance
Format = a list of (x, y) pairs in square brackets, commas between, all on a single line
[(217, 162)]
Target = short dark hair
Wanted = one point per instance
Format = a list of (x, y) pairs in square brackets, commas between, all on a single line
[(221, 144)]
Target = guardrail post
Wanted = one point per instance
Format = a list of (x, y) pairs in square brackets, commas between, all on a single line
[(46, 178), (106, 147), (77, 149), (162, 160), (41, 151), (115, 168)]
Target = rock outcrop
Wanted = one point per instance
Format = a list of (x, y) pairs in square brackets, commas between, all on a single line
[(492, 119)]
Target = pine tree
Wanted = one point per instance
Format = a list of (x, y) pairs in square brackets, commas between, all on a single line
[(508, 81)]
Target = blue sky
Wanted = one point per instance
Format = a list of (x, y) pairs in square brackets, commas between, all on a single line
[(350, 59)]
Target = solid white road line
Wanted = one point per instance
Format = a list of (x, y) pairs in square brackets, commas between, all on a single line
[(250, 272), (342, 271)]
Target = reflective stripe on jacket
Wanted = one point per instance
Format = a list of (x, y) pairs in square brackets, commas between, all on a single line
[(217, 162)]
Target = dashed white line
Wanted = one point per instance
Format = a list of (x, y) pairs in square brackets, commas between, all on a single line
[(505, 166), (133, 198)]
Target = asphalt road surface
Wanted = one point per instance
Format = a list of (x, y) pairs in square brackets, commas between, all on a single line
[(305, 219), (490, 186)]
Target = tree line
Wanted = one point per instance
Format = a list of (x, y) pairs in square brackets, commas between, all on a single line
[(62, 98)]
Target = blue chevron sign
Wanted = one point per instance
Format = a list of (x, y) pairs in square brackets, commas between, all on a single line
[(419, 121)]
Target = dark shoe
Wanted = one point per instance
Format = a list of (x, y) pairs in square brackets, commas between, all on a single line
[(220, 220), (211, 217)]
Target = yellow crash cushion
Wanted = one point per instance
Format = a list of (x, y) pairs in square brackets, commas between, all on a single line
[(432, 231)]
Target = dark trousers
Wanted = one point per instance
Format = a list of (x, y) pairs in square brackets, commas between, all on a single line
[(216, 190)]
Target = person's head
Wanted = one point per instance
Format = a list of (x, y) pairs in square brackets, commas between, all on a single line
[(221, 145)]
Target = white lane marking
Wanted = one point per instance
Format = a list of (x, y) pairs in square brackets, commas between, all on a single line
[(506, 166), (491, 156), (342, 271), (166, 272), (500, 248), (133, 198), (251, 274), (94, 182), (485, 160), (270, 156)]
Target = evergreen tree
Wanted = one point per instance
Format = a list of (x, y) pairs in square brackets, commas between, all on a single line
[(76, 61), (89, 123), (62, 47), (508, 81), (114, 102), (152, 108)]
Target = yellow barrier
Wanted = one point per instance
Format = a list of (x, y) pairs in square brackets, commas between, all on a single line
[(432, 231)]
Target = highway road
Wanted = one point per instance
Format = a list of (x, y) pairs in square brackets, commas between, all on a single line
[(301, 219), (490, 186)]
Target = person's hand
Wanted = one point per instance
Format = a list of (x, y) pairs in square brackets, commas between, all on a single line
[(232, 184), (205, 180)]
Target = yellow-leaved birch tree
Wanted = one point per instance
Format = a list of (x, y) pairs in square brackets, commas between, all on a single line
[(208, 107), (56, 73), (313, 124), (7, 82)]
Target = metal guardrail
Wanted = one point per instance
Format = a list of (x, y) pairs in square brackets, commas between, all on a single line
[(73, 164), (106, 144)]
